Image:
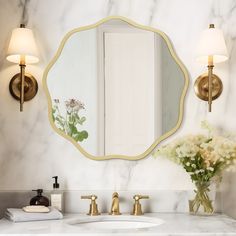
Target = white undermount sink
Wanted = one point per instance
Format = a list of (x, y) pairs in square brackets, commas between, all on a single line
[(116, 222)]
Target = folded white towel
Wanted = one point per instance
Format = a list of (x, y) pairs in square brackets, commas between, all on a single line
[(36, 209), (18, 215)]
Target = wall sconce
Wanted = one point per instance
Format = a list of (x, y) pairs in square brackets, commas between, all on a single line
[(211, 49), (22, 50)]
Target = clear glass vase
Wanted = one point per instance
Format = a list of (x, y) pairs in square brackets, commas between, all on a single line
[(202, 204)]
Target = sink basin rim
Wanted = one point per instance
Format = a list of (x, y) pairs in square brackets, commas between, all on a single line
[(121, 222)]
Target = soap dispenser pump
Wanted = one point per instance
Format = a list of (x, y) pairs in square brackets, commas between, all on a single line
[(57, 196), (39, 199), (56, 184)]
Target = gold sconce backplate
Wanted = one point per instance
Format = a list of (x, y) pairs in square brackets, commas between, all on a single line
[(201, 87), (30, 87)]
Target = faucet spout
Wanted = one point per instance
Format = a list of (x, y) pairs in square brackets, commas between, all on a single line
[(115, 208)]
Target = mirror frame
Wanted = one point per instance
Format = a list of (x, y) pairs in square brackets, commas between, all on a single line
[(158, 140)]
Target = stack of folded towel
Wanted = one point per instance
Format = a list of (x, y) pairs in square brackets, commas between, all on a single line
[(33, 213)]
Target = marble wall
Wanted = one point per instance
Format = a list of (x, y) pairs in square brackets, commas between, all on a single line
[(30, 152)]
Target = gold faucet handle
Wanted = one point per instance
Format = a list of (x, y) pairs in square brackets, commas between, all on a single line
[(91, 197), (137, 209), (93, 209), (137, 197)]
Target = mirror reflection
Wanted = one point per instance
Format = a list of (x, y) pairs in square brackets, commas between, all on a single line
[(115, 89)]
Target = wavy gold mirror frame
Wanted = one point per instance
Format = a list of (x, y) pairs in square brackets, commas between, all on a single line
[(160, 139)]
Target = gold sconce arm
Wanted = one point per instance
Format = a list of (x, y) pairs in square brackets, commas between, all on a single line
[(23, 87), (208, 87), (22, 82), (210, 72)]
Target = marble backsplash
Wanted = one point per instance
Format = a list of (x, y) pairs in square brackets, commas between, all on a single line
[(159, 201), (30, 152)]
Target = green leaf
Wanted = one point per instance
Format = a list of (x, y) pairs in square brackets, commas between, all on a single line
[(82, 120), (60, 121), (73, 129), (85, 134), (80, 136)]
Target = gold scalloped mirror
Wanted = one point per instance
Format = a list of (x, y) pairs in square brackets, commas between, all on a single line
[(115, 89)]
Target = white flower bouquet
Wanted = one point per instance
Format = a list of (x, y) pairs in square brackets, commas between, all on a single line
[(204, 157)]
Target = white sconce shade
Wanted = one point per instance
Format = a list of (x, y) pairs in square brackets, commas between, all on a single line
[(22, 43), (212, 43)]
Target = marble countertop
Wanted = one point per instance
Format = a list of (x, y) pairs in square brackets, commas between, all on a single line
[(175, 224)]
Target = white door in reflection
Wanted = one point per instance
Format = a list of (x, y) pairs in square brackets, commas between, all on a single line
[(129, 91)]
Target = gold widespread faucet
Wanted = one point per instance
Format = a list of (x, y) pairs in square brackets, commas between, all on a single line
[(137, 209), (115, 208), (93, 210)]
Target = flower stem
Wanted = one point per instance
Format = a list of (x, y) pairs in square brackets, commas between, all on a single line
[(202, 199)]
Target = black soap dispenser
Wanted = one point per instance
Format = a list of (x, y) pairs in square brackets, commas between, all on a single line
[(39, 199)]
